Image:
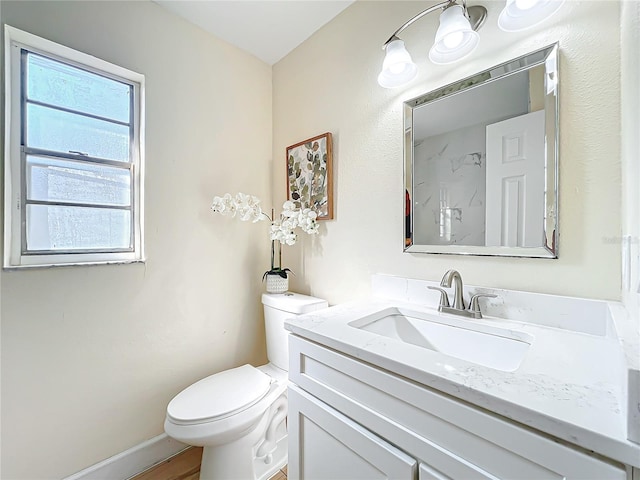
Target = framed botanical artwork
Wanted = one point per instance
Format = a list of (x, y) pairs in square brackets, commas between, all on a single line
[(310, 176)]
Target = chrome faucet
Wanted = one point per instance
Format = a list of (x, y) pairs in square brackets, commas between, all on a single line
[(454, 276), (459, 308)]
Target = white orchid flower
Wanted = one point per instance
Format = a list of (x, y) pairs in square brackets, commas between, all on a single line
[(283, 229)]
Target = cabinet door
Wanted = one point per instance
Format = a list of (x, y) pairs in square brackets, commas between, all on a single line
[(326, 445), (428, 473)]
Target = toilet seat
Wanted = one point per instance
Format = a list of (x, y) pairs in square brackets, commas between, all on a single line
[(219, 396)]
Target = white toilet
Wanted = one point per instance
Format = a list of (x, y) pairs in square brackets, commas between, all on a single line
[(239, 415)]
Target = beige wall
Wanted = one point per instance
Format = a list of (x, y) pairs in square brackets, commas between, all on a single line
[(92, 355), (329, 84)]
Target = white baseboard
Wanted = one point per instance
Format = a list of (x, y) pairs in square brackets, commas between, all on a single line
[(132, 461)]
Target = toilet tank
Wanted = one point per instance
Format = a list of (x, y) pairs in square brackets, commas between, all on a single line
[(279, 307)]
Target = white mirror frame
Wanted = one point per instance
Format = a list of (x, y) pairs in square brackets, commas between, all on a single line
[(548, 57)]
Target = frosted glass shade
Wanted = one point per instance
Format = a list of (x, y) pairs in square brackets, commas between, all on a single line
[(455, 39), (398, 68), (522, 14)]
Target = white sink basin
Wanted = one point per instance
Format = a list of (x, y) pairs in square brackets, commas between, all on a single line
[(492, 347)]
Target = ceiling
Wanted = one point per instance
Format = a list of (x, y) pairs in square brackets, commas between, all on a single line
[(268, 29)]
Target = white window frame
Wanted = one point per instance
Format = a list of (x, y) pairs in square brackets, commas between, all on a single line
[(15, 41)]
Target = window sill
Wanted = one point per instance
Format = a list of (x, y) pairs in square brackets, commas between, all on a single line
[(73, 264)]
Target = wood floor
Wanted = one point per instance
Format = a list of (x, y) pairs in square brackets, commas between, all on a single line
[(186, 466)]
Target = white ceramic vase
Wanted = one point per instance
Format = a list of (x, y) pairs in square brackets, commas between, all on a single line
[(277, 284)]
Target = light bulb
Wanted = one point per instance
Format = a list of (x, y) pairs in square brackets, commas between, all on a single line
[(452, 40), (522, 14), (455, 39), (397, 67), (526, 4)]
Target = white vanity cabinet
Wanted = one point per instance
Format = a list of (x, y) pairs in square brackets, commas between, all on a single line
[(334, 447), (351, 420)]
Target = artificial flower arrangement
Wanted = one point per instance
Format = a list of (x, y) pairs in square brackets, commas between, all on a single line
[(283, 229)]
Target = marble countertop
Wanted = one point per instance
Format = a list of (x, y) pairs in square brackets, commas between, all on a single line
[(570, 384)]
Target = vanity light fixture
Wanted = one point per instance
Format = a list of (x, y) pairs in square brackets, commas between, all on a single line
[(457, 36), (455, 39)]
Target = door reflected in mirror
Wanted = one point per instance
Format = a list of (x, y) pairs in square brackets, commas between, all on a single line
[(481, 162)]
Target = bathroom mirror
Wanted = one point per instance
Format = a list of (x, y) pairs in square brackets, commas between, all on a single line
[(481, 162)]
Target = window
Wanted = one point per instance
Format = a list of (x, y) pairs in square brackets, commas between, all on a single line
[(73, 156)]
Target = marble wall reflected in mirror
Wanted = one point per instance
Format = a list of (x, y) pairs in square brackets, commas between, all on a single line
[(481, 162)]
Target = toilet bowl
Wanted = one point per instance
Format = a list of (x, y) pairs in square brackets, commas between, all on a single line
[(239, 415)]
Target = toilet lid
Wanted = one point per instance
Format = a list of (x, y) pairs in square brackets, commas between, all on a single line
[(219, 395)]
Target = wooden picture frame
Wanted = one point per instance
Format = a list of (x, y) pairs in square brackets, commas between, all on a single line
[(310, 176)]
